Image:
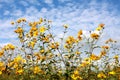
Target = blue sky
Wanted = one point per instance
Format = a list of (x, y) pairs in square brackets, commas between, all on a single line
[(79, 14)]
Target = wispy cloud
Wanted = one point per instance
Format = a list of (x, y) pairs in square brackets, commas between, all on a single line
[(6, 12), (34, 2), (48, 1), (17, 13), (64, 0), (85, 16), (6, 30), (24, 3)]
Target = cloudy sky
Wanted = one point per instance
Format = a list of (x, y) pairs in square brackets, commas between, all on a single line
[(79, 14)]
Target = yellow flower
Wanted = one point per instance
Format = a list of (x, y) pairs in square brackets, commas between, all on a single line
[(12, 23), (80, 32), (3, 68), (31, 44), (1, 52), (0, 72), (36, 70), (34, 28), (105, 47), (54, 45), (23, 19), (19, 21), (110, 41), (30, 24), (94, 57), (20, 35), (101, 75), (46, 39), (77, 52), (50, 55), (12, 47), (18, 30), (79, 35), (79, 38), (42, 51), (19, 71), (98, 28), (112, 72), (94, 36), (42, 29), (35, 33), (116, 57), (60, 72), (18, 59), (70, 40), (65, 25), (10, 64), (67, 46), (76, 76), (86, 61), (103, 53), (34, 24), (23, 60), (43, 58), (101, 25), (6, 47), (15, 65), (1, 64), (41, 20), (76, 72)]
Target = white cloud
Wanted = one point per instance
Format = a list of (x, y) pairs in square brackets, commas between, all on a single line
[(6, 30), (44, 10), (6, 12), (17, 13), (31, 11), (34, 2), (63, 0), (24, 3), (4, 24), (48, 1), (77, 16)]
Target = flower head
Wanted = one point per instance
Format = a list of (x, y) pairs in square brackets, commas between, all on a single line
[(112, 73), (101, 75), (94, 36), (42, 29)]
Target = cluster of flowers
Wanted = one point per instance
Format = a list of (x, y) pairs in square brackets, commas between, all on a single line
[(42, 56)]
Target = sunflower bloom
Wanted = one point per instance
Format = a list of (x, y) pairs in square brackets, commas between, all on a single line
[(1, 53), (36, 70), (112, 73), (94, 57), (19, 71), (101, 75), (42, 29), (0, 72), (12, 23), (65, 26), (94, 36), (116, 57)]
